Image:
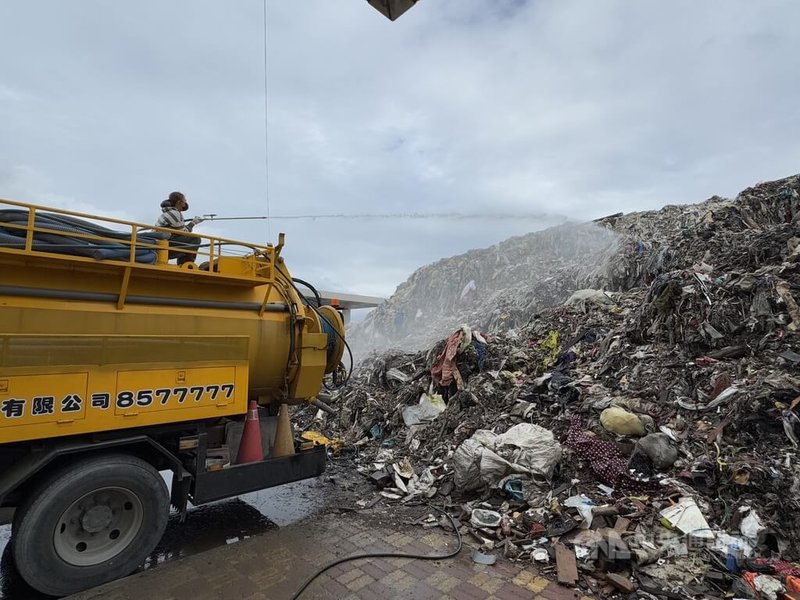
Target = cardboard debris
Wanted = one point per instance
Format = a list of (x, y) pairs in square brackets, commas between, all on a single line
[(685, 516)]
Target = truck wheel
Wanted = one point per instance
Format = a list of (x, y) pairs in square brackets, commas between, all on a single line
[(91, 522)]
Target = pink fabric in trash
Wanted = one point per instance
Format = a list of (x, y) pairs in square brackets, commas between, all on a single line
[(605, 459), (444, 370), (781, 567)]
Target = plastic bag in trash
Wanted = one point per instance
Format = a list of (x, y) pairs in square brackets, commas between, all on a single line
[(430, 406), (486, 458)]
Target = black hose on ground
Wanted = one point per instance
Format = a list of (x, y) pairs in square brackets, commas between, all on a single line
[(452, 554)]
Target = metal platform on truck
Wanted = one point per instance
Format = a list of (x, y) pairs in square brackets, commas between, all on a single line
[(48, 250), (35, 235)]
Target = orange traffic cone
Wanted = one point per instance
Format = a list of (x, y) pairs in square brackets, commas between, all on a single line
[(250, 447), (284, 443)]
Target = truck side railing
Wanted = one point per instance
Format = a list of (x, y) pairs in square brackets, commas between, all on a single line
[(33, 230)]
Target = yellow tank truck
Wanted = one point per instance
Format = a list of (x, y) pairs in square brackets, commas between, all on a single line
[(116, 364)]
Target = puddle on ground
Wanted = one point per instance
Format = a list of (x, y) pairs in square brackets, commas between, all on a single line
[(289, 503), (206, 527)]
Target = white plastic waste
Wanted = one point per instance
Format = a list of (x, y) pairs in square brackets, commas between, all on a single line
[(685, 516), (485, 518), (541, 555), (768, 587), (584, 506), (582, 298), (429, 407), (486, 458), (751, 526)]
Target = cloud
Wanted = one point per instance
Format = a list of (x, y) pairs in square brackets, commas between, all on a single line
[(23, 183), (557, 109)]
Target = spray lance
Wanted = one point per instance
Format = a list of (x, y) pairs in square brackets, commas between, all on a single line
[(453, 216), (214, 217)]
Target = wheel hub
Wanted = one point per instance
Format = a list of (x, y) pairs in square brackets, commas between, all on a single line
[(98, 526), (97, 519)]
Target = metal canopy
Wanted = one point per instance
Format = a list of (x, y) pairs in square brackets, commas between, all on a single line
[(346, 302), (349, 301)]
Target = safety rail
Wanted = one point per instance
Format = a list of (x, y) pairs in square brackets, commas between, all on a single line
[(33, 230)]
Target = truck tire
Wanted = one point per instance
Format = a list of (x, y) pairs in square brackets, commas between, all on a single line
[(90, 522)]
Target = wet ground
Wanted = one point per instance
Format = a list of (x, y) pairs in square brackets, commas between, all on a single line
[(265, 544), (206, 527), (274, 564)]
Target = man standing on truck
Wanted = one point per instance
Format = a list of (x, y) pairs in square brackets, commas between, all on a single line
[(171, 218)]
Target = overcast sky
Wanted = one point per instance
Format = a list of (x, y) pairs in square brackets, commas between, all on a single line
[(554, 109)]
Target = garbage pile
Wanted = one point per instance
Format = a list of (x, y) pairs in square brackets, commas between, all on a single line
[(641, 436), (493, 288), (501, 287)]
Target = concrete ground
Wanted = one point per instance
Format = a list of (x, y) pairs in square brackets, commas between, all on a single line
[(274, 564)]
